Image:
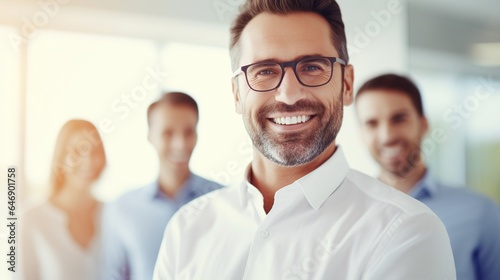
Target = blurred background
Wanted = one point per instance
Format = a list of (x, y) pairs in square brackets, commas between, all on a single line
[(63, 59)]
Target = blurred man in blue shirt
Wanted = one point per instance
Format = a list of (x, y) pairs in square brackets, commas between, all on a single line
[(393, 124), (133, 225)]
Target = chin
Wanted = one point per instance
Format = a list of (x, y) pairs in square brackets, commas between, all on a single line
[(393, 168)]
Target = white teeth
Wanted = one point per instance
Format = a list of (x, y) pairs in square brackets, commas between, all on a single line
[(291, 120), (391, 152)]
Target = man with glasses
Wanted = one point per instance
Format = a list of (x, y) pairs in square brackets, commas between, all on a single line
[(300, 212), (393, 125)]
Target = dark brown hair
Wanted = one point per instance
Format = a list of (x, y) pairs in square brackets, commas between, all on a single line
[(328, 9), (174, 98), (393, 82)]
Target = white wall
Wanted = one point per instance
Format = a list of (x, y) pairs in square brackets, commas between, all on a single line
[(377, 43)]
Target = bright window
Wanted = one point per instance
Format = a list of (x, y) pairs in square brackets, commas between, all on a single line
[(100, 79)]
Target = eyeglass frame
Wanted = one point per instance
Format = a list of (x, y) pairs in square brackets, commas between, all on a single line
[(293, 65)]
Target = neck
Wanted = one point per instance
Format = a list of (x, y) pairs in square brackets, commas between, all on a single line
[(172, 180), (406, 182), (269, 177), (74, 198)]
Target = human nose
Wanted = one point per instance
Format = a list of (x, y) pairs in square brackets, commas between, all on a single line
[(179, 142), (386, 134), (290, 89)]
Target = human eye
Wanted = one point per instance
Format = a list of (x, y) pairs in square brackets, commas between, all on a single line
[(262, 70), (266, 72), (313, 66), (371, 124), (399, 118), (167, 134)]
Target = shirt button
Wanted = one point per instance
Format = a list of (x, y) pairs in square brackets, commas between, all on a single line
[(264, 234)]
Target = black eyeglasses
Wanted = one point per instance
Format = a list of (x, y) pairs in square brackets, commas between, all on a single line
[(311, 71)]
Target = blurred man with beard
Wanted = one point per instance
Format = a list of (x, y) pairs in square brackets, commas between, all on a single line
[(393, 124), (300, 211)]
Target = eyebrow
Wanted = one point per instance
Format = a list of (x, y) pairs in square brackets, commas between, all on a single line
[(400, 113), (281, 61)]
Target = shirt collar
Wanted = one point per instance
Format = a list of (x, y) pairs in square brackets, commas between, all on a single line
[(246, 185), (316, 186), (426, 187), (324, 180), (186, 192), (152, 190)]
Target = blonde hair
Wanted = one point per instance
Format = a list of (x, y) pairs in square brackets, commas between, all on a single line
[(59, 167)]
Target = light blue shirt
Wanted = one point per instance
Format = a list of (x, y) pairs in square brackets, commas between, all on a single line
[(473, 225), (133, 226)]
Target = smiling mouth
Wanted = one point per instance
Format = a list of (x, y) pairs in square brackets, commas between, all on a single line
[(392, 152), (179, 158), (291, 120)]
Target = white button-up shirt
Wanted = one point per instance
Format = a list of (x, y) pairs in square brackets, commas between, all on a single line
[(334, 223)]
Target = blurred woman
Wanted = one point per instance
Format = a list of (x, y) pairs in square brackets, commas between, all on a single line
[(58, 238)]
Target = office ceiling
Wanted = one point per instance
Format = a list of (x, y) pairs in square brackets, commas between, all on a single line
[(450, 26), (221, 11), (451, 30)]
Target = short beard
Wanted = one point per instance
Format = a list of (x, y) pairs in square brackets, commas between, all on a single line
[(407, 165), (295, 149)]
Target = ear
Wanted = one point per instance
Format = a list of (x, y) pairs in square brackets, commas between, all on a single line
[(425, 125), (236, 94), (348, 95)]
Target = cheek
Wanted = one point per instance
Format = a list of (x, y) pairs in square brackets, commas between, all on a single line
[(93, 161), (99, 161), (370, 138), (335, 85), (163, 142), (72, 160), (245, 99), (421, 134), (409, 133), (249, 106), (192, 142), (329, 95), (165, 145), (249, 99)]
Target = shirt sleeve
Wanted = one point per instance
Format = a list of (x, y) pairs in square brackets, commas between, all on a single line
[(487, 258), (166, 261), (115, 265), (416, 247)]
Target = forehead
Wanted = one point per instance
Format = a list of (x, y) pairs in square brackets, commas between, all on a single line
[(383, 103), (81, 139), (77, 138), (285, 37), (173, 114)]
